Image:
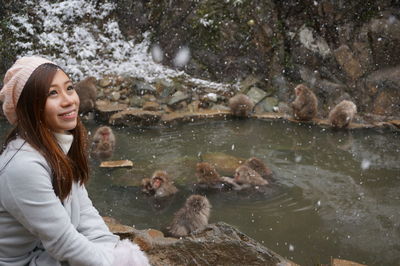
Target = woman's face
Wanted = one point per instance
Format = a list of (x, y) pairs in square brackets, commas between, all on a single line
[(62, 104)]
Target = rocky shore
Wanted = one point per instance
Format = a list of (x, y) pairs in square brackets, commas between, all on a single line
[(217, 244), (129, 102)]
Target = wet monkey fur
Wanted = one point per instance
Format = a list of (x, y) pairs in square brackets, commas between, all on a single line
[(192, 216), (103, 143), (305, 105), (342, 114), (241, 105)]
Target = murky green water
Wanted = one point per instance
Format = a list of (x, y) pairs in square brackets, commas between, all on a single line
[(338, 196)]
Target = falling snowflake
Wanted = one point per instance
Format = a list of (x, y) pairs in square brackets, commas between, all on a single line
[(365, 164)]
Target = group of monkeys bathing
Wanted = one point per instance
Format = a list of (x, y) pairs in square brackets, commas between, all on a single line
[(304, 107), (194, 215)]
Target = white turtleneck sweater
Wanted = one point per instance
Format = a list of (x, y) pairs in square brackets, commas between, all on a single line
[(65, 141), (36, 228)]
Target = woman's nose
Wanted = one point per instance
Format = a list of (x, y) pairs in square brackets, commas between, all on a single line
[(67, 99)]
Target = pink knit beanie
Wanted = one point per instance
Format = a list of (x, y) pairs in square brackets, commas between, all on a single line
[(14, 82)]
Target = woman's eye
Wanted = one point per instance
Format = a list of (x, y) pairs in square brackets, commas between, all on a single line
[(52, 92), (70, 88)]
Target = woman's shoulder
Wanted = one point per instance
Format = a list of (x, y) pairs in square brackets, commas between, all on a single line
[(19, 156)]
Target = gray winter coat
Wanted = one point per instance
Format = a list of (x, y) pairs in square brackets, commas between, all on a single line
[(36, 228)]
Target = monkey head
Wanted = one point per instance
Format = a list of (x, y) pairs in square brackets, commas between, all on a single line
[(92, 80), (146, 183), (258, 166), (157, 182), (198, 203), (352, 106), (147, 187), (159, 178), (206, 172), (299, 89), (105, 133)]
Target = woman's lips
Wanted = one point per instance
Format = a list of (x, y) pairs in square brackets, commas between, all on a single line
[(68, 115)]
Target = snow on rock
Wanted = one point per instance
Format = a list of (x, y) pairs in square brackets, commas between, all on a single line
[(86, 41)]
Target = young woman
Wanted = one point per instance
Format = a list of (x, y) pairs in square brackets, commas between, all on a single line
[(46, 216)]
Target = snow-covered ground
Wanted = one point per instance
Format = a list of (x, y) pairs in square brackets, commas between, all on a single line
[(87, 41)]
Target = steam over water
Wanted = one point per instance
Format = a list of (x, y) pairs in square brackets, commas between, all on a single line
[(337, 195)]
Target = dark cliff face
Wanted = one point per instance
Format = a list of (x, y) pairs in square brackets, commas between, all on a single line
[(228, 40), (333, 46)]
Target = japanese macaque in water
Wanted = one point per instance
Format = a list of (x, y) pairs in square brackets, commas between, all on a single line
[(192, 216), (147, 187), (103, 143), (241, 105), (259, 166), (247, 177), (342, 114), (87, 92), (306, 103), (208, 176), (162, 184)]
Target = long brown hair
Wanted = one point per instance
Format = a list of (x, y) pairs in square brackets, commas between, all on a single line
[(32, 127)]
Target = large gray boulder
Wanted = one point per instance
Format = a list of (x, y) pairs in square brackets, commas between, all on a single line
[(218, 244)]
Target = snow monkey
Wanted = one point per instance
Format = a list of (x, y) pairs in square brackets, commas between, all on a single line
[(246, 177), (103, 143), (87, 92), (241, 105), (342, 114), (208, 175), (259, 166), (306, 103), (192, 216), (147, 187), (162, 184)]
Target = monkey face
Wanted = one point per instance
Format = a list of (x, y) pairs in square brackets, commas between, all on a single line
[(157, 182), (197, 203), (105, 134)]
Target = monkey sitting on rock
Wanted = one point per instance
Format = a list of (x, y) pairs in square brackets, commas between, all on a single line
[(342, 114), (306, 103), (87, 92), (241, 105), (191, 217), (159, 185)]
